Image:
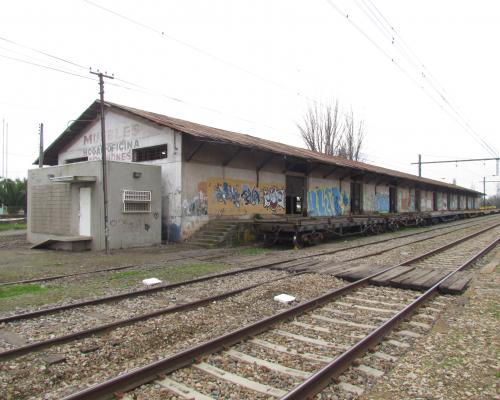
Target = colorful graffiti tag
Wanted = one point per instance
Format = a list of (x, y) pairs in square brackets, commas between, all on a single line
[(250, 196), (198, 204), (328, 201), (274, 198), (382, 202), (239, 197), (225, 193)]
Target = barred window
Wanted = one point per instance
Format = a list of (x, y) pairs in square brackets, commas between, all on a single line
[(149, 153), (136, 201)]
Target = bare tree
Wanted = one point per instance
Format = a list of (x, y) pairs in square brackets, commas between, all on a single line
[(352, 138), (321, 129), (324, 131)]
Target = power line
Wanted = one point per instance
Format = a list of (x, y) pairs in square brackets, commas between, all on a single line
[(46, 67), (375, 16), (41, 52), (143, 90)]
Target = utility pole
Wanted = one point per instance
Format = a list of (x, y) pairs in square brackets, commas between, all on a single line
[(420, 162), (40, 150), (484, 191), (3, 148), (103, 155)]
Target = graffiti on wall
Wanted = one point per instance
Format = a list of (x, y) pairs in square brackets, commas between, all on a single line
[(198, 204), (326, 201), (227, 193), (250, 196), (238, 197), (274, 198), (382, 202)]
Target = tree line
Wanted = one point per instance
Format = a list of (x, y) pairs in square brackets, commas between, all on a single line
[(13, 194)]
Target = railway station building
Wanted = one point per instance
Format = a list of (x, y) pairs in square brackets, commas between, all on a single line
[(207, 173)]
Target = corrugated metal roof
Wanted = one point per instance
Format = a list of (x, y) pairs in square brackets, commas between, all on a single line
[(220, 135)]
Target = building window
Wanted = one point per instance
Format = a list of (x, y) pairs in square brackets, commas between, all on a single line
[(136, 201), (74, 160), (149, 153)]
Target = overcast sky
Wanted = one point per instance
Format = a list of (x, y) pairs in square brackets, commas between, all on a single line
[(253, 66)]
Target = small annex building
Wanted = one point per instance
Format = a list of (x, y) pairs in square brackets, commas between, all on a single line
[(206, 173)]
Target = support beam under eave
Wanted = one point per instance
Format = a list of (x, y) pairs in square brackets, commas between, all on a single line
[(265, 162), (196, 149), (226, 162), (330, 172)]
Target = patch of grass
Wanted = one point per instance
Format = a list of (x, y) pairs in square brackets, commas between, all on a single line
[(497, 374), (170, 274), (452, 361), (253, 251), (12, 227), (494, 309), (191, 271), (126, 274), (19, 290)]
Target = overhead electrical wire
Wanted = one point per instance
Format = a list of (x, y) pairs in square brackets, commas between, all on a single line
[(137, 88), (387, 29)]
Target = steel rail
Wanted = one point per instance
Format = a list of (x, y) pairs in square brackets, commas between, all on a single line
[(321, 379), (134, 293), (105, 270), (22, 350), (16, 352), (97, 271), (141, 375), (100, 300)]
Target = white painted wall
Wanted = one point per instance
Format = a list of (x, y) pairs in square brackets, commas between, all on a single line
[(124, 133)]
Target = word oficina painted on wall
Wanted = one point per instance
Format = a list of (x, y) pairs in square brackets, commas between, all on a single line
[(238, 197), (326, 201)]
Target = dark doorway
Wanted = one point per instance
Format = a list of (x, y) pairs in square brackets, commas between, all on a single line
[(434, 201), (448, 201), (393, 195), (295, 194), (356, 198), (417, 201)]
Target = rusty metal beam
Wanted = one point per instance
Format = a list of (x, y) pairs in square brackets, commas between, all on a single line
[(196, 149)]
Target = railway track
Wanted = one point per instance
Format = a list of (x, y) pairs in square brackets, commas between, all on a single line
[(219, 254), (331, 331), (164, 299), (352, 253), (97, 320)]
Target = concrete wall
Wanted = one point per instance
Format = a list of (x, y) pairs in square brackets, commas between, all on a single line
[(210, 189), (133, 229), (375, 198), (124, 133), (54, 206), (328, 196), (405, 199)]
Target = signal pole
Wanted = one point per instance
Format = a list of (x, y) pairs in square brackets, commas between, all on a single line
[(40, 150), (103, 155)]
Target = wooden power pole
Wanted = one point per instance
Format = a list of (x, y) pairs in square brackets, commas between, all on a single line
[(103, 155)]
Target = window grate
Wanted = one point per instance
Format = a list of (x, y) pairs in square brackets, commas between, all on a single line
[(149, 153), (129, 207), (136, 195), (136, 201)]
